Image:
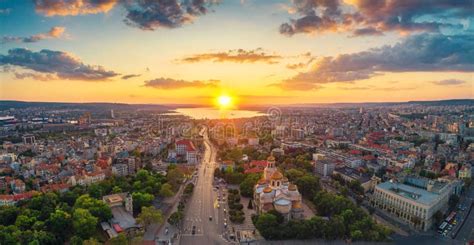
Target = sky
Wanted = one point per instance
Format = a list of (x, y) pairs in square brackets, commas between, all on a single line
[(257, 51)]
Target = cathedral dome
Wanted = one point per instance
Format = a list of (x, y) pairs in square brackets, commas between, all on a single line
[(277, 175)]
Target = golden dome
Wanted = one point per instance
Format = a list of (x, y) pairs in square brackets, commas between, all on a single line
[(296, 204), (277, 175), (292, 187), (285, 179), (262, 181), (267, 189), (271, 158)]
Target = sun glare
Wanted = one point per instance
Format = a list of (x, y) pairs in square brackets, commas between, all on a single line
[(224, 101)]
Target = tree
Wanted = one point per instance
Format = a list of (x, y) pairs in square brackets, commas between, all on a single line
[(8, 215), (335, 228), (96, 207), (294, 174), (84, 223), (24, 222), (166, 190), (59, 223), (175, 218), (141, 200), (149, 215), (116, 189), (267, 224), (250, 205), (174, 177), (76, 240), (246, 187), (356, 235), (96, 191), (308, 185), (92, 241), (121, 239)]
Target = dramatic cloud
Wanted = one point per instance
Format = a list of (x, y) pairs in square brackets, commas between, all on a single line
[(55, 63), (125, 77), (35, 76), (449, 82), (73, 7), (151, 15), (423, 52), (300, 65), (169, 83), (373, 17), (238, 56), (55, 32), (144, 14)]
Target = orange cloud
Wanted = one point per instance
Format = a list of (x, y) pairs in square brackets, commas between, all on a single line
[(73, 7), (237, 55)]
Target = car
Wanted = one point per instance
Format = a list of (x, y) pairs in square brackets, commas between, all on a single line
[(193, 230), (218, 206), (225, 210), (210, 218), (225, 225)]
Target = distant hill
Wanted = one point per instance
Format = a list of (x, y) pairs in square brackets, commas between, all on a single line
[(444, 102), (7, 104), (373, 104)]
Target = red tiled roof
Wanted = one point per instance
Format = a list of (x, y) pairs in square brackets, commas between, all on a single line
[(355, 152), (17, 197), (253, 170), (189, 144), (55, 187)]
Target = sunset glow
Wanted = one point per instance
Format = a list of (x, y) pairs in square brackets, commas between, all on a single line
[(224, 101), (117, 51)]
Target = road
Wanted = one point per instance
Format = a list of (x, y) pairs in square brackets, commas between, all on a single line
[(466, 233), (203, 204)]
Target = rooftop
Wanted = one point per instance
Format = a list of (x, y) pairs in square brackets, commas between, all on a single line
[(409, 192)]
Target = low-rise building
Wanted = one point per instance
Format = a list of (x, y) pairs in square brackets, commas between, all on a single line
[(324, 167)]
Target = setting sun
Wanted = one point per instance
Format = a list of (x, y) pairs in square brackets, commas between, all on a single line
[(224, 101)]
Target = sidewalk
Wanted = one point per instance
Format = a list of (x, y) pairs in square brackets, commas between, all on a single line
[(154, 230)]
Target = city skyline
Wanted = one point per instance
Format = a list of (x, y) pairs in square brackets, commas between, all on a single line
[(277, 52)]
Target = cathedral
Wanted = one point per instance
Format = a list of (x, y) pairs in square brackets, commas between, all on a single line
[(274, 191)]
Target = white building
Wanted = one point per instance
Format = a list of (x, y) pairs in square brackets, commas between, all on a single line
[(415, 201)]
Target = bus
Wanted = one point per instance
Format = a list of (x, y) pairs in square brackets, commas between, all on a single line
[(442, 226), (450, 217)]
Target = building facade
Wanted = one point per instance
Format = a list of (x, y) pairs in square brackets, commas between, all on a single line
[(414, 201)]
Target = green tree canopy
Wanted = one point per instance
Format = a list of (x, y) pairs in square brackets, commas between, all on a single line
[(84, 223), (149, 215), (166, 190)]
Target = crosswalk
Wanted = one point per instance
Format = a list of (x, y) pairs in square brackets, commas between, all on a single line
[(188, 227)]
